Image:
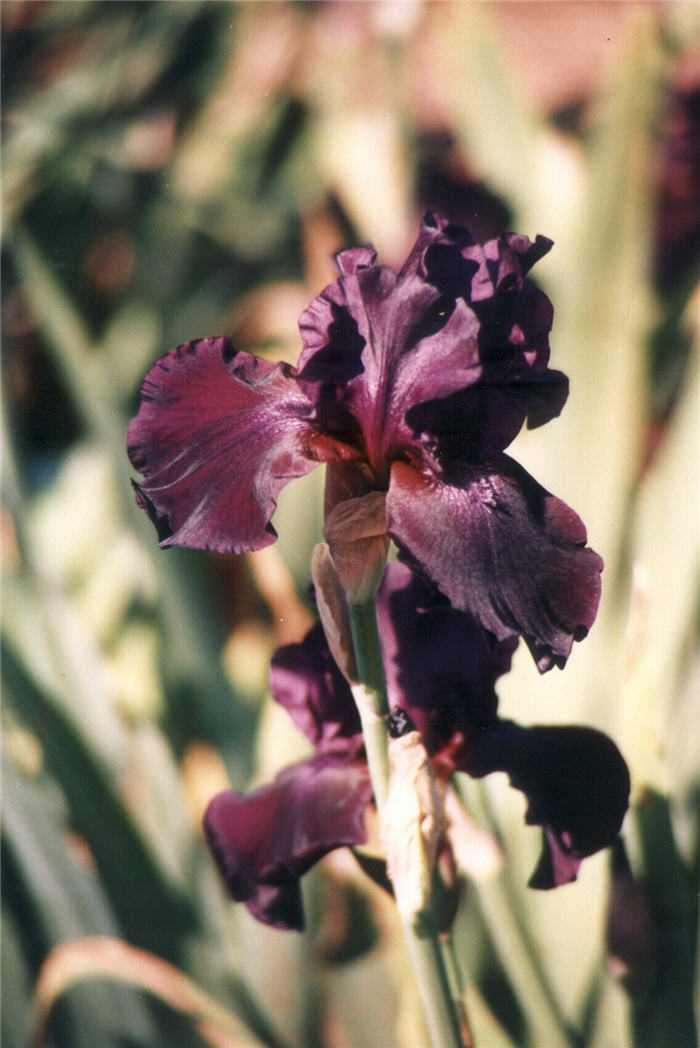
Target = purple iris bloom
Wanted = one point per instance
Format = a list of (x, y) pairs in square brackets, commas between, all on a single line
[(410, 383), (442, 672)]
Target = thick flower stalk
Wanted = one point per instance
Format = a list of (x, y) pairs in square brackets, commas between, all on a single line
[(409, 385)]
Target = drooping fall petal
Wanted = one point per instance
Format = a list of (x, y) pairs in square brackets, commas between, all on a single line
[(439, 665), (413, 381), (501, 547), (264, 842), (576, 783), (218, 435)]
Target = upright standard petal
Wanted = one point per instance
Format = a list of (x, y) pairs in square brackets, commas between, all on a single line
[(502, 548), (450, 353), (264, 842), (474, 423), (576, 783), (392, 340), (218, 435)]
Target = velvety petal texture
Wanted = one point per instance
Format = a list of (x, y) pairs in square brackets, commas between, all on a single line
[(501, 547), (306, 681), (441, 672), (440, 668), (264, 842), (409, 383), (410, 386), (218, 435), (576, 782), (458, 315)]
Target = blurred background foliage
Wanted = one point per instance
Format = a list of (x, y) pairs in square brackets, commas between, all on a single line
[(174, 170)]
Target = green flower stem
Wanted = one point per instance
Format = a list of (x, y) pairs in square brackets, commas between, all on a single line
[(423, 946), (454, 975), (370, 695), (433, 985)]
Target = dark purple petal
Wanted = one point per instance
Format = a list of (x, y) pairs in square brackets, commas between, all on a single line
[(576, 783), (393, 340), (306, 681), (502, 548), (354, 259), (264, 842), (458, 317), (558, 863), (441, 256), (439, 666), (502, 260), (487, 417), (515, 319), (218, 435)]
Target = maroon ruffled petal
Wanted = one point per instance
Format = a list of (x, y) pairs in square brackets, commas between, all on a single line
[(502, 260), (458, 341), (392, 340), (487, 417), (264, 842), (502, 548), (559, 861), (439, 665), (218, 435), (576, 783), (306, 681)]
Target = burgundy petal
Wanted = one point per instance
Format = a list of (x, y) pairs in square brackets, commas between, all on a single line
[(504, 259), (460, 321), (502, 548), (576, 783), (393, 340), (218, 435), (264, 842), (487, 417), (439, 666), (355, 258), (515, 319), (558, 863), (306, 681)]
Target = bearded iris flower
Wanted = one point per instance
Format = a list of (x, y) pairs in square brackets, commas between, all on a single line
[(411, 384), (441, 671)]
